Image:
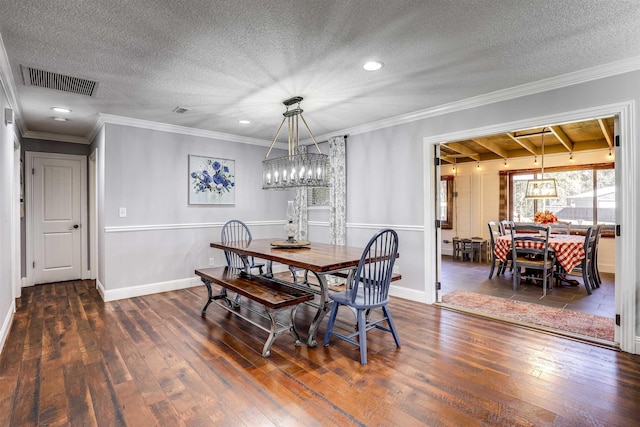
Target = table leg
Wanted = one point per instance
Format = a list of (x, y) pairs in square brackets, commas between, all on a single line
[(323, 308)]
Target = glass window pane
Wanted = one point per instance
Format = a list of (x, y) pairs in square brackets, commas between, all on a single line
[(575, 196), (606, 196)]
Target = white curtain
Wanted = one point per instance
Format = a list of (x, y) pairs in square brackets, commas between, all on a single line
[(338, 191)]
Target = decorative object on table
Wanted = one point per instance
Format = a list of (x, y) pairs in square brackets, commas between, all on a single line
[(541, 188), (290, 229), (211, 181), (297, 168), (545, 217)]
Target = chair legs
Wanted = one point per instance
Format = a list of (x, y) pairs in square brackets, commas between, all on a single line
[(363, 325)]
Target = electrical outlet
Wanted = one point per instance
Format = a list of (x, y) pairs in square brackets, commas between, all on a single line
[(123, 212), (212, 262)]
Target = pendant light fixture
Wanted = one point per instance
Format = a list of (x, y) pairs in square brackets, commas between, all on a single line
[(298, 168), (542, 188)]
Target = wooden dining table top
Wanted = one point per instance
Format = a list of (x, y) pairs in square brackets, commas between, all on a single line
[(317, 257)]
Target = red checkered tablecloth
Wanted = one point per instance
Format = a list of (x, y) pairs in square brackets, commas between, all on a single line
[(569, 249)]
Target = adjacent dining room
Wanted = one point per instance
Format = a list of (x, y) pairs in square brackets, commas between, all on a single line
[(550, 189)]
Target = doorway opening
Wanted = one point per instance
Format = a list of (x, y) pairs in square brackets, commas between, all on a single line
[(476, 219)]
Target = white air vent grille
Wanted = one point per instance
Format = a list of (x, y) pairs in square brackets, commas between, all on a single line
[(180, 110), (49, 80)]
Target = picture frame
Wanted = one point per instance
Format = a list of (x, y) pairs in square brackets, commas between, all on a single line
[(211, 180)]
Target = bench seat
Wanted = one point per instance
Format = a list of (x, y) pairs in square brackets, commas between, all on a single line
[(274, 296)]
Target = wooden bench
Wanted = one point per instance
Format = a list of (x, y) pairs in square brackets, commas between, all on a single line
[(275, 297)]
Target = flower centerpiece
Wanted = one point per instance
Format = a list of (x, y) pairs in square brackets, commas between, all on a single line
[(545, 217), (213, 177)]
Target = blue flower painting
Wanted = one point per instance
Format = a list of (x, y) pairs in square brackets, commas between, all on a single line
[(211, 180)]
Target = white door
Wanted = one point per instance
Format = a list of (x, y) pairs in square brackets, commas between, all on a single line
[(57, 217)]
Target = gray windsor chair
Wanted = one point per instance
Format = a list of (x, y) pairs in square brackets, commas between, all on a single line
[(368, 290)]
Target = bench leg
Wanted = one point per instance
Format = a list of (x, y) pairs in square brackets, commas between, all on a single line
[(211, 298), (274, 331)]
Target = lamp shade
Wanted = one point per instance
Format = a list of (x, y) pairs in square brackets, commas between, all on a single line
[(541, 189), (298, 168)]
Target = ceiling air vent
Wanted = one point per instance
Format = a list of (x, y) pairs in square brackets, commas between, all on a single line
[(180, 110), (49, 80)]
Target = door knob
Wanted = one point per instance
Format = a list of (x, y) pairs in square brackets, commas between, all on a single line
[(74, 226)]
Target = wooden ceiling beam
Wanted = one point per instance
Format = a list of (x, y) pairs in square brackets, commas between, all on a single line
[(605, 132), (562, 137), (524, 143), (493, 147), (461, 149)]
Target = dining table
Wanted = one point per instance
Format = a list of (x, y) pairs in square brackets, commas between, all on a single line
[(321, 259), (569, 249)]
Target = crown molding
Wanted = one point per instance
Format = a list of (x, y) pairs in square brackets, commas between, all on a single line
[(56, 137), (570, 79), (165, 127)]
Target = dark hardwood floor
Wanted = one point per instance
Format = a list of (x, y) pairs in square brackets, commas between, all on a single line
[(71, 359), (473, 276)]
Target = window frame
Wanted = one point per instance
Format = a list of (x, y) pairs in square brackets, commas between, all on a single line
[(608, 230), (447, 224)]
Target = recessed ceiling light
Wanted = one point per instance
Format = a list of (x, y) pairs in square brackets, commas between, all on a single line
[(59, 119), (61, 109), (372, 65), (244, 122)]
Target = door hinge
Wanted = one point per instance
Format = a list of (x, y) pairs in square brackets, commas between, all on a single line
[(438, 286), (617, 230), (438, 223), (617, 140), (33, 171), (436, 161), (617, 320), (34, 264)]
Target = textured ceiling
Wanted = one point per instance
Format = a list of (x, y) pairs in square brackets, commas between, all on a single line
[(232, 60)]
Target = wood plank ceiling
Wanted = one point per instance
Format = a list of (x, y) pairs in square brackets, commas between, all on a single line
[(566, 138)]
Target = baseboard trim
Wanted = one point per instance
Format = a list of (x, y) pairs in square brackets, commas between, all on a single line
[(408, 294), (6, 325), (148, 289)]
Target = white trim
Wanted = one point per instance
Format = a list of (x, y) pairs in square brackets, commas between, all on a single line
[(626, 252), (148, 289), (365, 226), (6, 325), (165, 127), (29, 159), (93, 214), (155, 227), (397, 227), (56, 137), (408, 294), (576, 77)]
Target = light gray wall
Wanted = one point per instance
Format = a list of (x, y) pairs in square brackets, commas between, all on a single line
[(146, 172), (6, 180)]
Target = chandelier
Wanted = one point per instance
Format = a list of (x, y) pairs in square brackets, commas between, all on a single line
[(298, 168), (542, 188)]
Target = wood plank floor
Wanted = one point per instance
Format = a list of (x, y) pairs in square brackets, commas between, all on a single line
[(71, 359)]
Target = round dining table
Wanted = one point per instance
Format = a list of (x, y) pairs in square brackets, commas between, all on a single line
[(569, 249)]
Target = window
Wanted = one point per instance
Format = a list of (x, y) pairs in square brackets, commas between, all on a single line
[(586, 195), (446, 201)]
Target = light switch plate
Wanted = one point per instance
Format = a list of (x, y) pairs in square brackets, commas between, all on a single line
[(123, 212)]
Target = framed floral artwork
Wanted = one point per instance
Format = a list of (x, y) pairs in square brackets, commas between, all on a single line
[(212, 181)]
